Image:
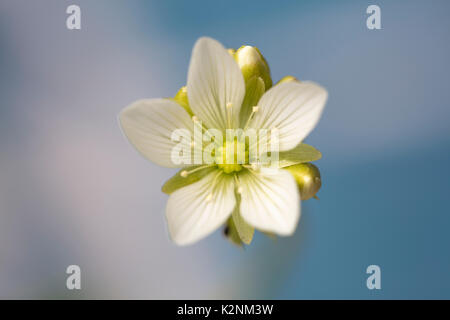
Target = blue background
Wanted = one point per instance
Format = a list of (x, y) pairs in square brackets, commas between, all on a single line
[(73, 192)]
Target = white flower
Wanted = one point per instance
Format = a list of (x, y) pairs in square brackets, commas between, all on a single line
[(267, 201)]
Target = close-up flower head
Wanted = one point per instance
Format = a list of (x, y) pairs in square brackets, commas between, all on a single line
[(169, 150), (237, 139)]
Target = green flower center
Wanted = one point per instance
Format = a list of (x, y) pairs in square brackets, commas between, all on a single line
[(232, 156)]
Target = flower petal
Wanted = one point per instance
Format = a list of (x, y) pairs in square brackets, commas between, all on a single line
[(149, 124), (294, 108), (214, 80), (193, 212), (270, 202)]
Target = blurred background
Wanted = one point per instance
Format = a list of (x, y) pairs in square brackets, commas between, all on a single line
[(73, 191)]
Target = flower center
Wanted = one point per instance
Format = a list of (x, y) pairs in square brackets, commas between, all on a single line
[(231, 156)]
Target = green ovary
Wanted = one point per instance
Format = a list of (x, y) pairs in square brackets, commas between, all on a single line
[(237, 157)]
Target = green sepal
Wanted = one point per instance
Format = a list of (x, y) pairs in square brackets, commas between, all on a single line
[(182, 99), (244, 230), (231, 233), (300, 154), (177, 181), (254, 89), (236, 229)]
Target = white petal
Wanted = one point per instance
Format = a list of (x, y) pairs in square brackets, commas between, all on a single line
[(214, 79), (149, 124), (293, 108), (270, 202), (193, 212)]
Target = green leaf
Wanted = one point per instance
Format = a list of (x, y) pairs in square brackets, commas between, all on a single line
[(244, 230), (177, 181), (301, 153), (254, 89)]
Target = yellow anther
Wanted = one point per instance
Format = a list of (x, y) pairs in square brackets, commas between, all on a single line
[(254, 110), (184, 173)]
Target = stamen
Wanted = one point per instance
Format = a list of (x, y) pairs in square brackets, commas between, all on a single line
[(209, 197), (269, 139), (185, 173), (254, 110), (209, 136), (204, 130)]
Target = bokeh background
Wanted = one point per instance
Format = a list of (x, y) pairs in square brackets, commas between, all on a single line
[(73, 191)]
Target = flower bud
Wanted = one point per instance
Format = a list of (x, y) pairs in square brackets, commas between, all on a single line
[(182, 99), (288, 79), (253, 64), (308, 179)]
